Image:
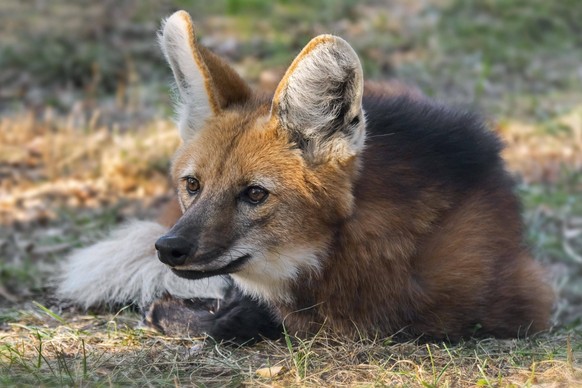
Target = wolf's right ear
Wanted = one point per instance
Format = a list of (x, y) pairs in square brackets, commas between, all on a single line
[(206, 84)]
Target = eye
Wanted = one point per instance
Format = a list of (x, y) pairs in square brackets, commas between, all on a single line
[(254, 195), (192, 185)]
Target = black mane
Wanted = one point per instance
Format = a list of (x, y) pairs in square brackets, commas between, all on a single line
[(441, 145)]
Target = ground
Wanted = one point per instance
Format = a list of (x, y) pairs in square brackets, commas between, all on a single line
[(86, 137)]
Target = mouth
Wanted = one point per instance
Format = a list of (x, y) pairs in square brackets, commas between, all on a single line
[(231, 267)]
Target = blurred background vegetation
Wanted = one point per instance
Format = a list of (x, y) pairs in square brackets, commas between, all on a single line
[(511, 57), (86, 134)]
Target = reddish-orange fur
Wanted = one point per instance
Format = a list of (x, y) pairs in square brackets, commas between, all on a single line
[(398, 248), (430, 267)]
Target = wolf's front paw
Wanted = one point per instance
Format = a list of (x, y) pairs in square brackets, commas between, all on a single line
[(181, 317)]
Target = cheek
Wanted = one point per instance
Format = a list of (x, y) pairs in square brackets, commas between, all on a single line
[(286, 218), (292, 220), (309, 223), (255, 217)]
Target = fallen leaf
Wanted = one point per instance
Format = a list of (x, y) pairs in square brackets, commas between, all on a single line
[(269, 372)]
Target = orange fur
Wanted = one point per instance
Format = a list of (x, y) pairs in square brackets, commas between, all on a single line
[(365, 240)]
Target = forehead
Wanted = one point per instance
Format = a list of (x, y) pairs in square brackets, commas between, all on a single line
[(237, 145)]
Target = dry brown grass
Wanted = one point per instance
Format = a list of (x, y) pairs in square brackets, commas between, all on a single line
[(539, 152), (50, 162), (106, 349)]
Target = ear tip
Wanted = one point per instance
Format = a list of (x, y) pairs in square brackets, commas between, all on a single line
[(329, 39), (180, 15), (178, 21), (334, 40), (324, 39)]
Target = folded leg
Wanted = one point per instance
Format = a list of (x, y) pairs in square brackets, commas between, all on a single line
[(236, 318)]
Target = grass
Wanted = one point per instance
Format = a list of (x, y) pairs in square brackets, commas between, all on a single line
[(82, 151), (107, 349)]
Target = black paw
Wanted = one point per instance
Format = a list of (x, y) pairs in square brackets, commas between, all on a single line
[(236, 318), (244, 320)]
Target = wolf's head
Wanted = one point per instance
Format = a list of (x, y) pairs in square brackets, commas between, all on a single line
[(263, 183)]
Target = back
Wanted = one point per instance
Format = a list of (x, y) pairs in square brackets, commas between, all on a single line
[(435, 244)]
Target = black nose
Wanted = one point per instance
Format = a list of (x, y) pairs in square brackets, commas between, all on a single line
[(173, 250)]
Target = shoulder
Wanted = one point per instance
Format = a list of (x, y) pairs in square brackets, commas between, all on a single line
[(450, 143)]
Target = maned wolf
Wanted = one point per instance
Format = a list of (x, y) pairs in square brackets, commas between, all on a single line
[(333, 204)]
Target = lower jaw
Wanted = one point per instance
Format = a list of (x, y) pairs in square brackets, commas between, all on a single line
[(231, 267)]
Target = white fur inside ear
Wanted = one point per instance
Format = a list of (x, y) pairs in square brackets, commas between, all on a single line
[(321, 98), (124, 269), (195, 104)]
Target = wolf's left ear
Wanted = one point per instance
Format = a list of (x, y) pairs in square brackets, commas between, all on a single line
[(206, 83), (319, 100)]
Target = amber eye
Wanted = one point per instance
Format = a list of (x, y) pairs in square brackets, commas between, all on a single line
[(192, 185), (255, 195)]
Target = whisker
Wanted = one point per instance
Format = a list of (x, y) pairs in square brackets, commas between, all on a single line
[(382, 135)]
